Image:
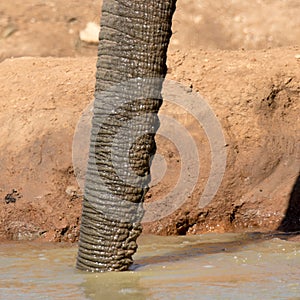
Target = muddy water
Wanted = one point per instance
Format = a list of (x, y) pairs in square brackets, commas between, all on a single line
[(210, 266)]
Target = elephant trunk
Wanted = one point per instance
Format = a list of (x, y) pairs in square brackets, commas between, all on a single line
[(131, 66)]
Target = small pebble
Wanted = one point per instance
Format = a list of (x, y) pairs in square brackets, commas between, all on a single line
[(90, 34)]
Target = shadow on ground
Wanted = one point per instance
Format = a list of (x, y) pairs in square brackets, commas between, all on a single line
[(291, 221)]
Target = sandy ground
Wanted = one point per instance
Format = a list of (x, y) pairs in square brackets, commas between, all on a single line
[(239, 58)]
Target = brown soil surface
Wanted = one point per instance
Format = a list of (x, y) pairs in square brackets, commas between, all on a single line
[(241, 57)]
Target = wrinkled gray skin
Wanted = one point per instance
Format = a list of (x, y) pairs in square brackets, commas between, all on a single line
[(131, 66)]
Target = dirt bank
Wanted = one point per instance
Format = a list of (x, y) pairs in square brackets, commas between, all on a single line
[(254, 94), (239, 152)]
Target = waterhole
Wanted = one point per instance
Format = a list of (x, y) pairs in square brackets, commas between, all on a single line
[(210, 266)]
